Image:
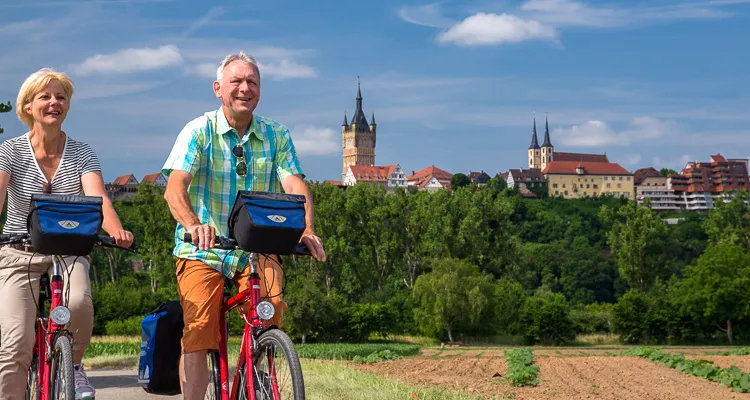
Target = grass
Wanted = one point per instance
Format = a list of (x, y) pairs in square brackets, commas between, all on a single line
[(334, 380), (124, 351), (597, 339)]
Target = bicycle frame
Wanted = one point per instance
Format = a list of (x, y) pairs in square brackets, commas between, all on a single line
[(45, 337), (252, 325)]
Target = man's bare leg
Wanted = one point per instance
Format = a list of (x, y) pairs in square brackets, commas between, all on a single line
[(194, 375)]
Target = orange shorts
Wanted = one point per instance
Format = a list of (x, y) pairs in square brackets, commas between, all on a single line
[(201, 291)]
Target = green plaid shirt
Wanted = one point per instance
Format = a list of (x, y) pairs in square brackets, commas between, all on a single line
[(204, 149)]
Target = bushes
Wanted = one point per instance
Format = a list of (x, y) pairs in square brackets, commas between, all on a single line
[(546, 319), (127, 327)]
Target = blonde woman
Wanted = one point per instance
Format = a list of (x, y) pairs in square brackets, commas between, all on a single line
[(45, 160)]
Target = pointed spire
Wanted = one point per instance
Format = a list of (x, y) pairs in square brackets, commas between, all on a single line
[(372, 120), (547, 142), (534, 139), (359, 99), (346, 123)]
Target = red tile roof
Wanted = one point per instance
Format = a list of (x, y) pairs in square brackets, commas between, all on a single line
[(151, 178), (559, 156), (526, 175), (334, 183), (123, 180), (430, 172), (643, 173), (422, 177), (718, 158), (589, 168), (372, 173)]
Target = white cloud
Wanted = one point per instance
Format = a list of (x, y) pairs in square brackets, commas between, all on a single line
[(492, 29), (313, 141), (286, 69), (599, 134), (425, 15), (574, 13), (130, 60)]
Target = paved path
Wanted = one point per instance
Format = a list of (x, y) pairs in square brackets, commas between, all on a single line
[(120, 384)]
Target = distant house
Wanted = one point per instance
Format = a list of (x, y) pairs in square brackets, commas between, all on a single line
[(389, 176), (517, 178), (122, 188), (157, 179), (335, 183), (480, 178), (431, 179)]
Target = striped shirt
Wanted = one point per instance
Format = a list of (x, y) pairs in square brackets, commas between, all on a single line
[(26, 178), (204, 150)]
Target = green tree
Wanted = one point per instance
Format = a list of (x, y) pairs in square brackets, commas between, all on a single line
[(460, 180), (453, 298), (4, 108), (730, 222), (637, 239), (717, 285), (667, 171), (546, 319), (157, 225)]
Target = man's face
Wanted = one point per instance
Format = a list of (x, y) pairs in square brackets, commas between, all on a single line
[(239, 88)]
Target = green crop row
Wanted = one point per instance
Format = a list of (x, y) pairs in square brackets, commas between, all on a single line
[(345, 351), (739, 351), (521, 368), (732, 377)]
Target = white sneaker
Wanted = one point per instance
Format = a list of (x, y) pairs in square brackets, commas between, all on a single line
[(84, 390)]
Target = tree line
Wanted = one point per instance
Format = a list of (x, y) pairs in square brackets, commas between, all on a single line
[(474, 262)]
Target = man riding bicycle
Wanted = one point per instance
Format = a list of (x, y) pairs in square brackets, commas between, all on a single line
[(216, 155)]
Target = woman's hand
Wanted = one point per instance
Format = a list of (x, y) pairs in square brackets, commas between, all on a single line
[(123, 238)]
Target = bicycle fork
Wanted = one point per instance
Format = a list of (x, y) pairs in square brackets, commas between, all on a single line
[(58, 318)]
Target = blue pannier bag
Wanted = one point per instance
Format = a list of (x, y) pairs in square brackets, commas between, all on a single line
[(66, 225), (161, 335), (267, 222)]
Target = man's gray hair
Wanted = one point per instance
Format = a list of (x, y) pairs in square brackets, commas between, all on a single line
[(242, 56)]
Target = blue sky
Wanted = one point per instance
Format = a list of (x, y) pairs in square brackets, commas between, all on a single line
[(452, 83)]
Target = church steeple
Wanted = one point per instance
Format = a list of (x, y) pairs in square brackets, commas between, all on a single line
[(547, 142), (359, 115), (346, 123), (534, 139), (372, 120)]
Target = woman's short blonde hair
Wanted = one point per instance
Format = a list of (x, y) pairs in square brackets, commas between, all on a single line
[(34, 84)]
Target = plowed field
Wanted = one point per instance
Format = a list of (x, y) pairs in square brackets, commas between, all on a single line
[(563, 375)]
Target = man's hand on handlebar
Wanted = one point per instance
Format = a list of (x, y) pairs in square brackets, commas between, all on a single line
[(315, 245), (203, 236)]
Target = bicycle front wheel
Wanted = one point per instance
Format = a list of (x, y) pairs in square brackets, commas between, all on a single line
[(62, 383), (277, 373)]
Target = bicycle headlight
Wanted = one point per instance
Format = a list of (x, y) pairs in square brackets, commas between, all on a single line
[(60, 315), (265, 310)]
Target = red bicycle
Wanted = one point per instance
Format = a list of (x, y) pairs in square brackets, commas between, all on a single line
[(51, 372), (276, 373)]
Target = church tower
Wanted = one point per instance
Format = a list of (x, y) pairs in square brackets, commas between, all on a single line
[(548, 150), (535, 152), (358, 137)]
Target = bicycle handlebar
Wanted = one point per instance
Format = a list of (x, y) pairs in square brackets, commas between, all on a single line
[(103, 241), (225, 243)]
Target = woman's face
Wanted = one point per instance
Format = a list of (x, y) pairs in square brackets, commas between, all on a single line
[(50, 106)]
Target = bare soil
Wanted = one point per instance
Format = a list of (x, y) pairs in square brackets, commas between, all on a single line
[(567, 376)]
